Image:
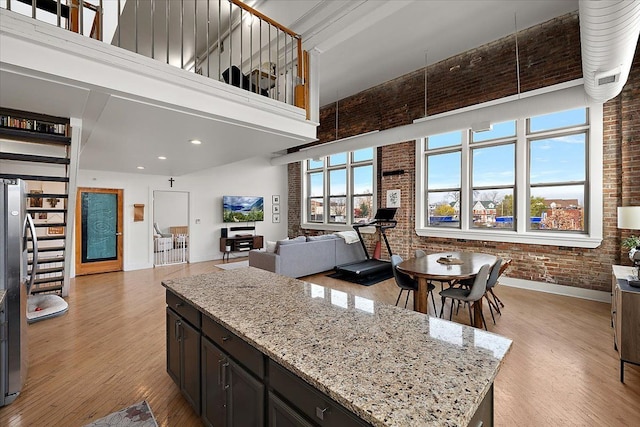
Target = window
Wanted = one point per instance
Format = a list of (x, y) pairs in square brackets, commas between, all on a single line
[(534, 179), (339, 189)]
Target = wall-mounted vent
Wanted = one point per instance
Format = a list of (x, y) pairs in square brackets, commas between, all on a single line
[(607, 77)]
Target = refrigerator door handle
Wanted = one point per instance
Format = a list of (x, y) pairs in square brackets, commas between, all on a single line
[(34, 241)]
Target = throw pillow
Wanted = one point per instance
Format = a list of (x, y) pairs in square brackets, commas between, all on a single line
[(270, 247)]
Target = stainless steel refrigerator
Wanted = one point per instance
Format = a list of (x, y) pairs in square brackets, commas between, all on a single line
[(16, 227)]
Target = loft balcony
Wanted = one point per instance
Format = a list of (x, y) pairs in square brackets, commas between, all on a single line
[(166, 71)]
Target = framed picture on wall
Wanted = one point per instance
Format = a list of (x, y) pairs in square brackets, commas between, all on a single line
[(275, 209), (275, 199), (275, 218)]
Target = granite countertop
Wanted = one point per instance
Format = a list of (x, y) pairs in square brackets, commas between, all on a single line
[(3, 293), (390, 366)]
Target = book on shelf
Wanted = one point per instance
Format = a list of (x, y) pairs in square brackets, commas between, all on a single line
[(34, 125)]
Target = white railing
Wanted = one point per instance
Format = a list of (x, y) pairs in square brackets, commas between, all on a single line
[(224, 40), (170, 250)]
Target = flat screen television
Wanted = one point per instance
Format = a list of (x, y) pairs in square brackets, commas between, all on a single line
[(242, 208)]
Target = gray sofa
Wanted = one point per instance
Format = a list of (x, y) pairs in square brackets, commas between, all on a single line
[(302, 257)]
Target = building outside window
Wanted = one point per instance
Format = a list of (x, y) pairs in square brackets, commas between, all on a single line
[(339, 189)]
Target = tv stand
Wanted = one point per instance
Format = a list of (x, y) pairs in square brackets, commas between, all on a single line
[(239, 244)]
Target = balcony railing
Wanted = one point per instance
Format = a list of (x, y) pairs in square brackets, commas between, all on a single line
[(224, 40)]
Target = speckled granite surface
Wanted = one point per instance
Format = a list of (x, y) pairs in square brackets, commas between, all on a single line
[(390, 366)]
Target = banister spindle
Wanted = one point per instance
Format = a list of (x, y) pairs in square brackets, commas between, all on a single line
[(153, 30)]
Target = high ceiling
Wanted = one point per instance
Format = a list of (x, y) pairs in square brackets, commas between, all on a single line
[(357, 44)]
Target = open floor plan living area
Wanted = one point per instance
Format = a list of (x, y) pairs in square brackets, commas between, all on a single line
[(319, 213)]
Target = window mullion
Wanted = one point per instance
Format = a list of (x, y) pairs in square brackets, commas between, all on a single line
[(466, 195), (522, 193)]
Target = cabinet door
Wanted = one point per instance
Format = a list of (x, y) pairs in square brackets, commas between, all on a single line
[(190, 358), (282, 415), (245, 398), (173, 346), (213, 385)]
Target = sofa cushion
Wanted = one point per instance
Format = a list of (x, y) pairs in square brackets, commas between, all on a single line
[(321, 237), (287, 241)]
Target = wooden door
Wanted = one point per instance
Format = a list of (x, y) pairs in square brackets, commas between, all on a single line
[(99, 225)]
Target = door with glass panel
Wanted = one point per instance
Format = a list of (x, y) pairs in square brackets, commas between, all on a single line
[(99, 230)]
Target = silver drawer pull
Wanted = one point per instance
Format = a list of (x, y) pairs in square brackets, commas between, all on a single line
[(225, 339), (320, 412), (179, 304)]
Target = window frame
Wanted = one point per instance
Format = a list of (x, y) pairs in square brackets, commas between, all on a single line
[(529, 106), (350, 195)]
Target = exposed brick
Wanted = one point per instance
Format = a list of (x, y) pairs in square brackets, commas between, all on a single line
[(549, 53)]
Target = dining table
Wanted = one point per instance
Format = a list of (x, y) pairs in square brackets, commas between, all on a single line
[(445, 267)]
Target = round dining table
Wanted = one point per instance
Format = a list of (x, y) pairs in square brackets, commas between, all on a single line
[(445, 267)]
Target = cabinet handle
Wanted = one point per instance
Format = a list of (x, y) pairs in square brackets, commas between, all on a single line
[(224, 375), (220, 371), (177, 326), (179, 304), (320, 412), (225, 339)]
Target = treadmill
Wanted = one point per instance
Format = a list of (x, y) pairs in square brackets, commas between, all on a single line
[(371, 267)]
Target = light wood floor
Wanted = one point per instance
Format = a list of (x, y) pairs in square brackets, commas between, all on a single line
[(108, 352)]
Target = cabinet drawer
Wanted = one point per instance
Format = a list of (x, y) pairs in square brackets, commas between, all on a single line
[(309, 401), (484, 414), (236, 347), (184, 309)]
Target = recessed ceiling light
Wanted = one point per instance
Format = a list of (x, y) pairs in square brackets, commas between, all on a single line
[(162, 157), (140, 167), (196, 141)]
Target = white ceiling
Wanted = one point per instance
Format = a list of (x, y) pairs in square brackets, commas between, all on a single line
[(357, 43)]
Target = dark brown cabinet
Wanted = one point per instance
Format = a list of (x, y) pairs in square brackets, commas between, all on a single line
[(282, 415), (183, 354), (240, 244), (232, 379)]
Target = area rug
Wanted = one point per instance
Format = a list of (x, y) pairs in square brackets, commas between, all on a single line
[(364, 281), (138, 415), (234, 265)]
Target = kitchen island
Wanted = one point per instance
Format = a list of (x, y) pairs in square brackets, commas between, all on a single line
[(284, 342)]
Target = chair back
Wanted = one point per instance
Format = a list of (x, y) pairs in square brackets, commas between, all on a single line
[(420, 253), (402, 280), (495, 273), (156, 228), (480, 283)]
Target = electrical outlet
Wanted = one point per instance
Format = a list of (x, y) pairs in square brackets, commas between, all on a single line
[(197, 220)]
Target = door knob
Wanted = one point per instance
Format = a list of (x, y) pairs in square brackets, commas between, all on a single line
[(118, 234)]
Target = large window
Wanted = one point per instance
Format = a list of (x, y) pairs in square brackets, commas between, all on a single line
[(339, 189), (532, 179)]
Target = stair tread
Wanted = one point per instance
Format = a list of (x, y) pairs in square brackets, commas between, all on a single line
[(39, 281), (35, 158), (50, 260), (49, 249), (36, 137), (50, 224), (49, 270), (38, 290), (55, 237), (43, 178), (59, 196)]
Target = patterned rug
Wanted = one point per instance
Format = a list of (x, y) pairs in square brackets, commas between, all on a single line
[(138, 415)]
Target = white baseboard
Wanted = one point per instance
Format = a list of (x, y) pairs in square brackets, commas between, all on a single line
[(553, 288)]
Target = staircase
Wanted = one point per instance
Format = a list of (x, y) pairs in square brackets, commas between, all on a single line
[(37, 148)]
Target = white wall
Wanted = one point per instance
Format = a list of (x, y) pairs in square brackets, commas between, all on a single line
[(252, 177)]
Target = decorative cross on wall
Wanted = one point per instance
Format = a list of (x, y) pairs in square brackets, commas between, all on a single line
[(171, 180)]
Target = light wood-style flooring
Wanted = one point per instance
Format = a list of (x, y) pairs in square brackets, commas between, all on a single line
[(108, 352)]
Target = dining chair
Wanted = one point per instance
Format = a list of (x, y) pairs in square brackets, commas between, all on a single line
[(505, 264), (420, 253), (469, 295), (408, 283), (491, 283)]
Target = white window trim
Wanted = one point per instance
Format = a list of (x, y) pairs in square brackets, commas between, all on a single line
[(525, 105), (330, 226)]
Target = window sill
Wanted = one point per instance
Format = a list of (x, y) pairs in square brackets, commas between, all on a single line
[(532, 238)]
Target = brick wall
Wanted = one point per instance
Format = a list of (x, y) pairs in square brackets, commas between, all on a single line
[(549, 53)]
